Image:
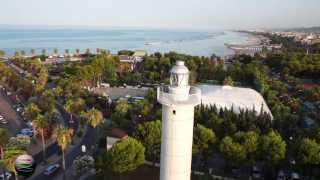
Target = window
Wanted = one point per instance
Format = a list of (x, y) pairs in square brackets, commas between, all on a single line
[(174, 112)]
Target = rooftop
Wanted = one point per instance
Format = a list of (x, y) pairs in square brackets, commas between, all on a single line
[(236, 97)]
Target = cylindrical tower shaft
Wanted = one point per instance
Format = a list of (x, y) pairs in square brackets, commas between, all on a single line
[(176, 142)]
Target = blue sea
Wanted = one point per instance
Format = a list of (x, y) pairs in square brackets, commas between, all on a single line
[(203, 43)]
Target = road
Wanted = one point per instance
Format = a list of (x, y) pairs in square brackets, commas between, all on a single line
[(75, 152), (15, 123), (53, 148)]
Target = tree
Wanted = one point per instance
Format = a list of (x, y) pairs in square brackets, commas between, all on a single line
[(74, 105), (55, 51), (32, 51), (272, 147), (23, 53), (2, 53), (249, 140), (47, 101), (63, 137), (126, 155), (122, 107), (77, 51), (202, 138), (94, 117), (228, 81), (4, 139), (88, 51), (66, 51), (9, 161), (32, 110), (234, 152), (43, 52), (149, 134), (308, 151), (40, 123), (83, 164), (20, 142)]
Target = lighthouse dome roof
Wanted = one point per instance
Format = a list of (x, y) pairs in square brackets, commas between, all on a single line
[(179, 68)]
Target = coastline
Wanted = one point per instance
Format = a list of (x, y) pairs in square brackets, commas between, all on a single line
[(197, 43)]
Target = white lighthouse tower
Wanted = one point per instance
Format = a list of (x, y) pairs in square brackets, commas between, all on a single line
[(178, 101)]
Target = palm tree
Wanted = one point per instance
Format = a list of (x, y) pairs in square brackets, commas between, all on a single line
[(55, 51), (87, 51), (16, 54), (2, 53), (43, 52), (68, 106), (40, 123), (66, 51), (23, 53), (4, 138), (32, 110), (73, 105), (94, 117), (9, 161), (63, 137), (78, 51), (32, 51)]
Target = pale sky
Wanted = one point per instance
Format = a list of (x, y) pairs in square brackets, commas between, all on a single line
[(198, 14)]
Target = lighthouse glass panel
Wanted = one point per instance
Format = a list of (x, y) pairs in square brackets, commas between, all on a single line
[(179, 79)]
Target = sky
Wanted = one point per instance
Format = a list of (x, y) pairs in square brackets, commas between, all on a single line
[(175, 14)]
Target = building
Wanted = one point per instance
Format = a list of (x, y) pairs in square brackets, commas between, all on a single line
[(235, 98), (115, 135), (178, 101)]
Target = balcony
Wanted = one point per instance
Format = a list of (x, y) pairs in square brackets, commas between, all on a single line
[(168, 99)]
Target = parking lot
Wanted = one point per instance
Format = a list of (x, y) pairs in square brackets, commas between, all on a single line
[(14, 121)]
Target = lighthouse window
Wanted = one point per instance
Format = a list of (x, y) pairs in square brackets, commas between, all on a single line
[(174, 112)]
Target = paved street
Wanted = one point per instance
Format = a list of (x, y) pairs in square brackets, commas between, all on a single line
[(14, 121), (52, 151)]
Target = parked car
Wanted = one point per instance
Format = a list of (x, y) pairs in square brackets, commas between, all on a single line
[(29, 124), (3, 121), (7, 174), (294, 176), (26, 132), (19, 109), (256, 172), (51, 169), (281, 175)]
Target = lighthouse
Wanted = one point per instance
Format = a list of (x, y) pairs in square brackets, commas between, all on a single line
[(178, 101)]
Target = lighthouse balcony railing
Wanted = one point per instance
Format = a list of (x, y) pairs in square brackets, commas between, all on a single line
[(167, 98)]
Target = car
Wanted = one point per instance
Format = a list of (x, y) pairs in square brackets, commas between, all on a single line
[(26, 132), (71, 121), (29, 124), (1, 117), (51, 169), (19, 109), (294, 176), (7, 174), (3, 121), (281, 175), (256, 172)]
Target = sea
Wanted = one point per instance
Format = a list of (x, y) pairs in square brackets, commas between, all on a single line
[(192, 42)]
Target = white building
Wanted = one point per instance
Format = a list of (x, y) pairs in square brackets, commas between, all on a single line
[(178, 101), (233, 97)]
